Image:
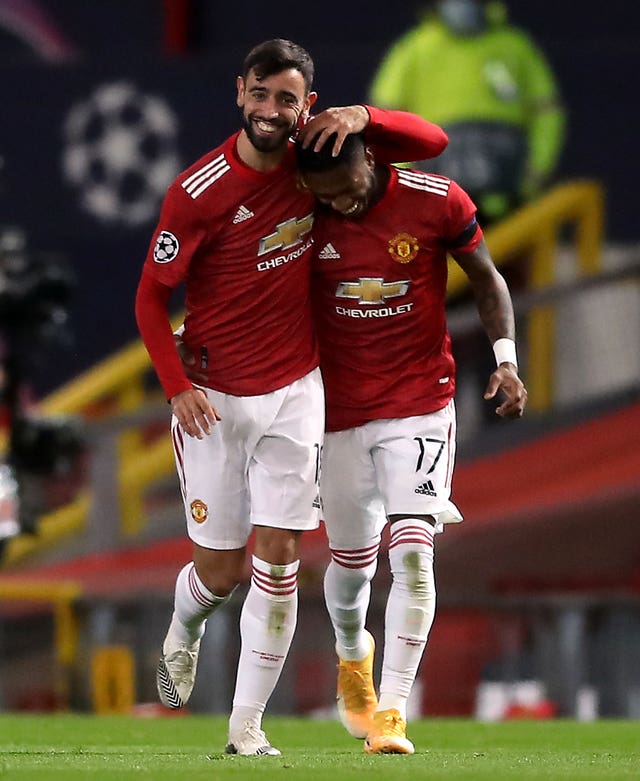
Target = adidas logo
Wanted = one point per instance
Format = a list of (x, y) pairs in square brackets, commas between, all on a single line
[(426, 489), (243, 214), (329, 252)]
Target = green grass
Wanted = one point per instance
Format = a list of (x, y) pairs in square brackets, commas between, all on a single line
[(118, 748)]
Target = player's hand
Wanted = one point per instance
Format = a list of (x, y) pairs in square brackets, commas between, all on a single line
[(343, 121), (189, 362), (194, 412), (505, 379)]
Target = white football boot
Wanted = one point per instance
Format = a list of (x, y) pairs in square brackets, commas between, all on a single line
[(176, 672), (250, 741)]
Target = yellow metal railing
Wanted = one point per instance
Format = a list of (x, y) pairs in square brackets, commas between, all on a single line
[(117, 377), (533, 231), (52, 527), (61, 596), (112, 668)]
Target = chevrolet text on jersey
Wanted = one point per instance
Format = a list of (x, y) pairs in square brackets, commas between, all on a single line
[(385, 311), (280, 260)]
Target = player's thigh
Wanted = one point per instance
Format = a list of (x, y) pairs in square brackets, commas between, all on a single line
[(351, 504), (284, 467), (211, 472), (414, 460)]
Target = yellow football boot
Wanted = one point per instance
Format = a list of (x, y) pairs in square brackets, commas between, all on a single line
[(357, 700), (388, 734)]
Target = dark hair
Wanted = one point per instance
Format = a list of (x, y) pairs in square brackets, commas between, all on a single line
[(317, 162), (278, 55)]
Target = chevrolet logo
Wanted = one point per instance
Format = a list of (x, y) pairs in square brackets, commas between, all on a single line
[(288, 234), (372, 290)]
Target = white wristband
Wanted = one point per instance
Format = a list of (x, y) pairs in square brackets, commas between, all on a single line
[(505, 351)]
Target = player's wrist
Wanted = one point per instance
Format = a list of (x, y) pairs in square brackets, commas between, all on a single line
[(504, 351), (373, 115)]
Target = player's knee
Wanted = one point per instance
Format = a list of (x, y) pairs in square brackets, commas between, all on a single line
[(220, 571), (357, 573), (276, 546), (220, 583), (354, 565)]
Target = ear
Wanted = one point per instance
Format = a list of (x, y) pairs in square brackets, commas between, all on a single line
[(300, 183), (240, 86), (303, 116), (311, 99), (369, 158)]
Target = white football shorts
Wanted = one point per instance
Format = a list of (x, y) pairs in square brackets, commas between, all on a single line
[(387, 467), (258, 466)]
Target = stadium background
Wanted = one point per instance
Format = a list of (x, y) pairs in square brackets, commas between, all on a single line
[(69, 66), (594, 55)]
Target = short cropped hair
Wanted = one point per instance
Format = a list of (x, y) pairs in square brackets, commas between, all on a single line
[(351, 151), (277, 55)]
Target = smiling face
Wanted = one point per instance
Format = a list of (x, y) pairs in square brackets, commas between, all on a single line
[(349, 188), (271, 107)]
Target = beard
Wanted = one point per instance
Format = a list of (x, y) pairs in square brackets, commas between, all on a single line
[(267, 143)]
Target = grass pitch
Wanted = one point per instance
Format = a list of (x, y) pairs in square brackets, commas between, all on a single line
[(120, 748)]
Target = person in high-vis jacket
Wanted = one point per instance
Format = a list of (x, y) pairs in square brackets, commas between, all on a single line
[(492, 90)]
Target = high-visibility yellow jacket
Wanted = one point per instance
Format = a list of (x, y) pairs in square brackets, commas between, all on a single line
[(497, 76)]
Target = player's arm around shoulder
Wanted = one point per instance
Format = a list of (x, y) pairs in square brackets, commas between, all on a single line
[(341, 120), (496, 313), (395, 135)]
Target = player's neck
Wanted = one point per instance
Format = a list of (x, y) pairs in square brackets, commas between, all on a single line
[(382, 174), (252, 157)]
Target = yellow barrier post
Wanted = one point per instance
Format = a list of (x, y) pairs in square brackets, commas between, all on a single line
[(541, 326), (590, 230), (112, 679)]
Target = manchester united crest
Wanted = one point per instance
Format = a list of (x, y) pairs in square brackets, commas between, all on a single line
[(199, 511), (403, 247)]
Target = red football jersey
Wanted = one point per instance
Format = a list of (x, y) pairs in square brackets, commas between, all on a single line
[(240, 242), (378, 290)]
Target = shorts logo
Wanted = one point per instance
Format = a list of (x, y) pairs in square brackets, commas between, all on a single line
[(167, 247), (199, 511), (403, 247), (426, 489)]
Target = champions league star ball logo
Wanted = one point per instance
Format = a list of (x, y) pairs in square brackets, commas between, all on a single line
[(120, 153), (167, 247)]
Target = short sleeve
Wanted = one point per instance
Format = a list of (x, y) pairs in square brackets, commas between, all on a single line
[(460, 231), (177, 237)]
